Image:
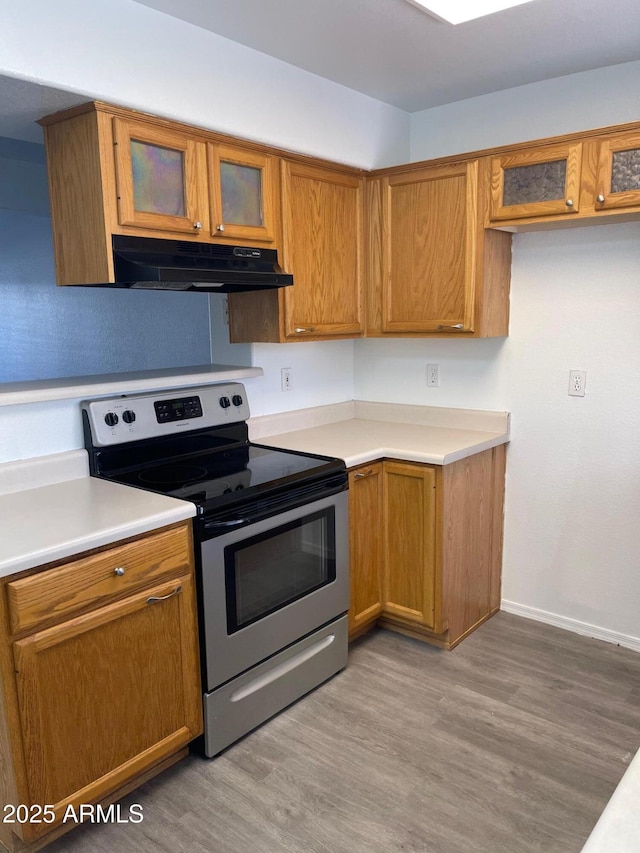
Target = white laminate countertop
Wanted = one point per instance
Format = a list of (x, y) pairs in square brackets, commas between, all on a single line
[(618, 829), (51, 522), (363, 437)]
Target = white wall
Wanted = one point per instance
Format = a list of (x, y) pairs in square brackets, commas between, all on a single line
[(563, 105), (573, 482), (120, 51)]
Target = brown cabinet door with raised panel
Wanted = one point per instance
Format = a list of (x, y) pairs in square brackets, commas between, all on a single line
[(429, 249), (618, 177), (108, 694), (159, 177), (410, 588), (541, 181), (323, 240), (366, 545)]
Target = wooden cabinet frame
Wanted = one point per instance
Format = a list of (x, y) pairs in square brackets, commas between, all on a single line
[(131, 737), (568, 204), (606, 149), (125, 132)]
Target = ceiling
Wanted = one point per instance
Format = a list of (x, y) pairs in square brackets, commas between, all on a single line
[(389, 49), (395, 52)]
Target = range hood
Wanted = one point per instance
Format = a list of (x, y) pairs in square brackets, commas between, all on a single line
[(151, 264)]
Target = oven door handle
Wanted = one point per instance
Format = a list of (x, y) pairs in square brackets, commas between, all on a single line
[(223, 525)]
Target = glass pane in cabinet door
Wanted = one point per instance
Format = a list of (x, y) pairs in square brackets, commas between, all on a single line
[(625, 171), (241, 188), (158, 179), (537, 182)]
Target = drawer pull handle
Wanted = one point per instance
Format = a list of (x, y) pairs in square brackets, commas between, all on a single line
[(362, 474), (454, 326), (119, 571), (300, 329), (155, 598)]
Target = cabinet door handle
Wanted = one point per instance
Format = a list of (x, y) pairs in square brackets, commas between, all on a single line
[(454, 326), (119, 571), (197, 225), (569, 202), (220, 227), (155, 598), (600, 198), (308, 329), (362, 474)]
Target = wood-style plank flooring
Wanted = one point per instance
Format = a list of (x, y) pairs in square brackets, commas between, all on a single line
[(511, 743)]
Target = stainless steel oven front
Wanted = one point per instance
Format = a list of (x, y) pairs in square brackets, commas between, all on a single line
[(274, 596)]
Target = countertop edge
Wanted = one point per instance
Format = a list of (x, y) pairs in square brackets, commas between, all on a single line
[(75, 547)]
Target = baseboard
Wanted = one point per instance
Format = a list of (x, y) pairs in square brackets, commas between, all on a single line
[(574, 625)]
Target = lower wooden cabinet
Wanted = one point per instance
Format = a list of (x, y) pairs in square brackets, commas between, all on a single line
[(366, 544), (96, 699), (437, 534)]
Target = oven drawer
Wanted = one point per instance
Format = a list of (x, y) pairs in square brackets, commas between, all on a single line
[(249, 700), (93, 580)]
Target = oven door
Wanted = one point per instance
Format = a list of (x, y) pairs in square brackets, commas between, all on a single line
[(271, 583)]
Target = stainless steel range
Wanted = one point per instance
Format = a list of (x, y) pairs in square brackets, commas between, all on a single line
[(272, 544)]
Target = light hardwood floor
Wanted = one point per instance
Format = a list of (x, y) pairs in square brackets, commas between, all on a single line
[(511, 743)]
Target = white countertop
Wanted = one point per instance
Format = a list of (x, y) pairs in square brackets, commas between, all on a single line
[(374, 432), (59, 520), (618, 829)]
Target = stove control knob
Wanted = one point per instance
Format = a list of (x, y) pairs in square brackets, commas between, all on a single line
[(225, 402), (111, 419), (128, 416), (237, 400)]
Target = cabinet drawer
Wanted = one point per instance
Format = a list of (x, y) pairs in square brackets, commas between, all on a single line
[(93, 580)]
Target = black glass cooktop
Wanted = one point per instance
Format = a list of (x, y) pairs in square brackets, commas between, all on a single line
[(224, 476)]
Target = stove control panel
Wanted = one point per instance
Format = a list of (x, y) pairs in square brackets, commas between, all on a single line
[(132, 417)]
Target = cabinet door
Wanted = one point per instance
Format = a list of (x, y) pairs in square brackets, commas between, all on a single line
[(538, 182), (323, 240), (158, 178), (243, 194), (410, 589), (109, 694), (366, 545), (618, 178), (429, 249)]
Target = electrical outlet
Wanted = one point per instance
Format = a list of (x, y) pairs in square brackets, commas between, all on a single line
[(433, 375), (577, 383), (285, 379)]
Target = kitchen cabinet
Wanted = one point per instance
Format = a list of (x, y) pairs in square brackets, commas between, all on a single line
[(433, 268), (366, 546), (539, 181), (322, 210), (244, 194), (617, 185), (100, 674), (112, 171), (441, 529)]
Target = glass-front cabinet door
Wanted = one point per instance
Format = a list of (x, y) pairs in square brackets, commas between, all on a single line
[(541, 181), (242, 194), (618, 177), (157, 178)]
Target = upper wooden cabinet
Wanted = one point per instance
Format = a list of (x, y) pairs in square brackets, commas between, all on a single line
[(617, 184), (243, 194), (112, 171), (322, 214), (586, 179), (433, 269), (537, 182), (158, 178)]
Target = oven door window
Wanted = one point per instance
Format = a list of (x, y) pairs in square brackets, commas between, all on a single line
[(266, 572)]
